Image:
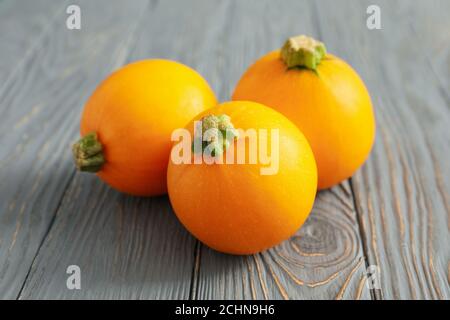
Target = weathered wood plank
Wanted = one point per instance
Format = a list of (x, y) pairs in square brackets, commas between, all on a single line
[(39, 113), (126, 248), (429, 22), (402, 191), (129, 247), (325, 258), (22, 26)]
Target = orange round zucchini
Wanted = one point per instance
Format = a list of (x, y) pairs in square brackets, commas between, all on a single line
[(239, 208), (127, 123), (323, 96)]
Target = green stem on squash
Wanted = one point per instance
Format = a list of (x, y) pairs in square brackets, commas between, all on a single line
[(302, 51), (88, 153), (216, 132)]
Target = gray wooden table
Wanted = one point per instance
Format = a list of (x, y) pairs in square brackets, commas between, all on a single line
[(391, 217)]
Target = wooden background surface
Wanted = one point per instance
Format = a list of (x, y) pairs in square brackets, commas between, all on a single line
[(394, 213)]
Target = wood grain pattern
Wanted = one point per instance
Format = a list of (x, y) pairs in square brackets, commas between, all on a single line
[(126, 248), (38, 112), (323, 260), (404, 211), (429, 23), (22, 29)]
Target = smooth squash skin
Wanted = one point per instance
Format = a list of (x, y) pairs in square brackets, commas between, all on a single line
[(232, 207), (326, 100), (133, 113)]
